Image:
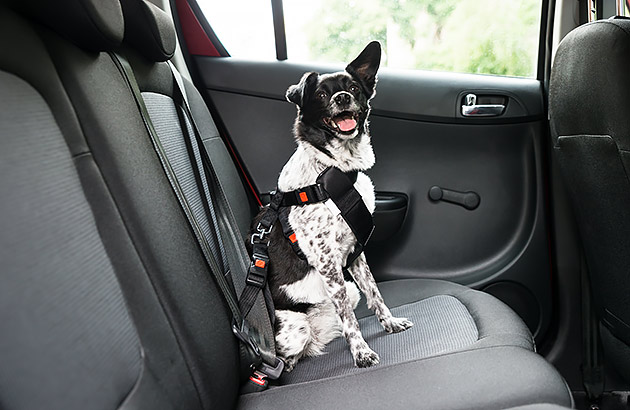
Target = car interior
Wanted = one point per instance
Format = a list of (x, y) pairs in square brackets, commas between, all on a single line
[(135, 152)]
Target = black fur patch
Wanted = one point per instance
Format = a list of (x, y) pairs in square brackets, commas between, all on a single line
[(365, 66), (295, 307)]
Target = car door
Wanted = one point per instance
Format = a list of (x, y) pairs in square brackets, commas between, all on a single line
[(461, 157)]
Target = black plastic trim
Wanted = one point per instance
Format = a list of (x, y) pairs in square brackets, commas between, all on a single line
[(277, 10), (389, 215), (389, 201), (546, 32)]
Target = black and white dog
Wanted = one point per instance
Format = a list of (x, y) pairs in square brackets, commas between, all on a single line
[(313, 302)]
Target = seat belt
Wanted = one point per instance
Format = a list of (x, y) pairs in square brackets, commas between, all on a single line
[(262, 317), (592, 364), (251, 354)]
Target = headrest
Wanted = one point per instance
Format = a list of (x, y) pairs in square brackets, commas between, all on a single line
[(95, 25), (589, 91), (149, 30)]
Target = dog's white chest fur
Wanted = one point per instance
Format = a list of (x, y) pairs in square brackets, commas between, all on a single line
[(307, 163)]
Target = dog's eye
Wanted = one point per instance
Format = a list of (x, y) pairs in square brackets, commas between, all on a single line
[(354, 88), (322, 95)]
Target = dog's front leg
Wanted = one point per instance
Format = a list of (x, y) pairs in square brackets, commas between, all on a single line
[(335, 287), (364, 279)]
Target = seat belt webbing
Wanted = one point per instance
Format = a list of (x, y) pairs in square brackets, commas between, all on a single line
[(262, 317), (249, 346)]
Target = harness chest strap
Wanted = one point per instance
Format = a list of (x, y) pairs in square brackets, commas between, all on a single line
[(332, 184)]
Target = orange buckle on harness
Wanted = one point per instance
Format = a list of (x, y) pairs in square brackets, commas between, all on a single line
[(292, 238), (260, 264), (303, 197)]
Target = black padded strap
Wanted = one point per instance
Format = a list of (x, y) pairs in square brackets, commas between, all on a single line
[(340, 188), (352, 176)]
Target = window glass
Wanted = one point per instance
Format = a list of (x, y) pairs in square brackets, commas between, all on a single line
[(245, 27), (471, 36)]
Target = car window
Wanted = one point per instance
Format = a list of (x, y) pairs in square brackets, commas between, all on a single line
[(499, 37), (245, 27)]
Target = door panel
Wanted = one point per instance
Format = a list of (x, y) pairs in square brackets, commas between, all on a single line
[(422, 140)]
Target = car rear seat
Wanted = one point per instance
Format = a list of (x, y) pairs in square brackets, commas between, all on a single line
[(87, 211)]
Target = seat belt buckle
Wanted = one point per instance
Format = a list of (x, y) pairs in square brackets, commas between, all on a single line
[(257, 274), (242, 333), (259, 379), (271, 372)]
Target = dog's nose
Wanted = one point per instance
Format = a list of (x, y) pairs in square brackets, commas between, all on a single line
[(342, 99)]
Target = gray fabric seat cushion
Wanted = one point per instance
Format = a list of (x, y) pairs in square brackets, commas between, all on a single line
[(441, 324), (447, 318), (496, 323), (489, 378)]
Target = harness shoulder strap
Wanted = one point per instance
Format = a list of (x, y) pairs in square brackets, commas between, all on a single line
[(340, 187), (336, 186)]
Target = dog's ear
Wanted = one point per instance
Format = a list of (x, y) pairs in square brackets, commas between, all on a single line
[(365, 66), (300, 93)]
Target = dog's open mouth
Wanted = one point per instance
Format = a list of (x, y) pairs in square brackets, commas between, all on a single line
[(345, 123)]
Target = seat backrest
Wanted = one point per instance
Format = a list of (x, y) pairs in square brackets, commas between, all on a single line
[(105, 298), (589, 99), (148, 45), (67, 338)]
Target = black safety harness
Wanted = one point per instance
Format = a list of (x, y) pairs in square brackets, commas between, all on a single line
[(333, 187)]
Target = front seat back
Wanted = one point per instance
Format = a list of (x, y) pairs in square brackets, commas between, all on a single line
[(589, 103)]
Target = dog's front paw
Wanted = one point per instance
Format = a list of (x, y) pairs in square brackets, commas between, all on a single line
[(289, 364), (366, 358), (396, 324)]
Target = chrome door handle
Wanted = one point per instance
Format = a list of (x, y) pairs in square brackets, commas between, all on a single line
[(471, 109)]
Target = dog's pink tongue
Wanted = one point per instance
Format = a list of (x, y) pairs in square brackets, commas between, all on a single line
[(347, 124)]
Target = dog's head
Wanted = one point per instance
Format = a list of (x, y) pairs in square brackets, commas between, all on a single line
[(336, 105)]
